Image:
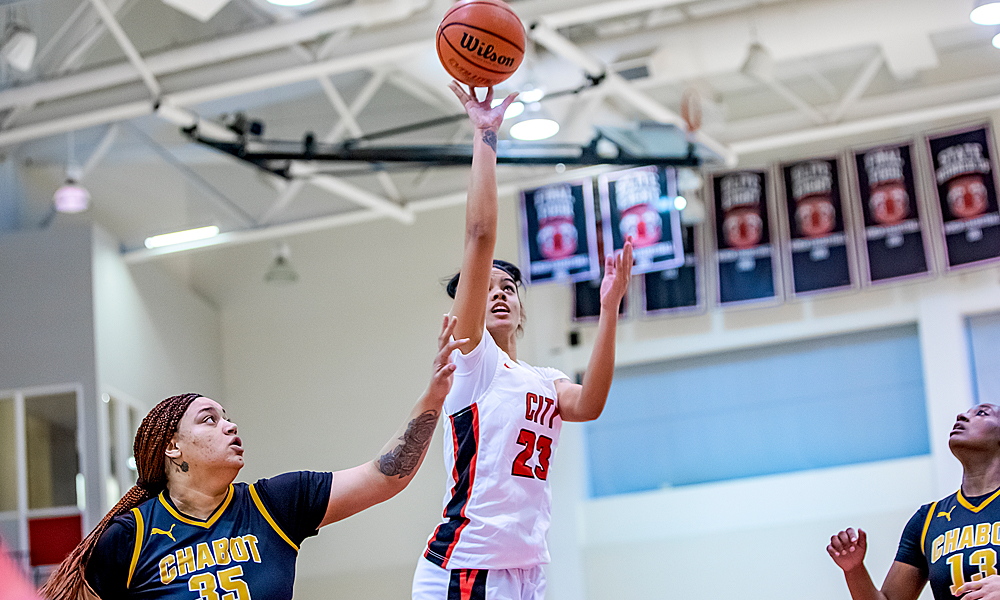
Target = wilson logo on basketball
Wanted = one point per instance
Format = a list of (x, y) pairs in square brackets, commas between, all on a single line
[(485, 51)]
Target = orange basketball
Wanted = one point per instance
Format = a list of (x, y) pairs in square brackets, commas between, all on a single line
[(480, 42)]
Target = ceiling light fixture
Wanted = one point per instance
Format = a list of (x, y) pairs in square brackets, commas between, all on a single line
[(759, 64), (536, 125), (996, 41), (71, 198), (986, 12), (291, 2), (18, 49), (179, 237), (533, 130), (281, 271)]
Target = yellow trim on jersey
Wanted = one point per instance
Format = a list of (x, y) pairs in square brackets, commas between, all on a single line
[(140, 530), (927, 524), (203, 524), (975, 509), (267, 515)]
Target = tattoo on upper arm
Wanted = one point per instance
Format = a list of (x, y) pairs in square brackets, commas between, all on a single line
[(403, 459), (490, 137)]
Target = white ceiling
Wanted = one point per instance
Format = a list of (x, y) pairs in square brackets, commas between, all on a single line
[(836, 71)]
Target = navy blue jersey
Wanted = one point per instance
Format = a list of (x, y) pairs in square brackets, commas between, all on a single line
[(953, 541), (246, 549)]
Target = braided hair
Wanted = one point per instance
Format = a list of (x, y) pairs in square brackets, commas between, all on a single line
[(156, 430)]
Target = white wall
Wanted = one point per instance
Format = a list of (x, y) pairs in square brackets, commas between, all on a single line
[(154, 337), (46, 329)]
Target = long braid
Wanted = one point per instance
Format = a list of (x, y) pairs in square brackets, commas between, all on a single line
[(151, 439)]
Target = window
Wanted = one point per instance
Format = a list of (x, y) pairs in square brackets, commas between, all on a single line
[(776, 409), (984, 344)]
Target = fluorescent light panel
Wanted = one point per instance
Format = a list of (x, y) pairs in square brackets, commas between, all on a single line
[(179, 237)]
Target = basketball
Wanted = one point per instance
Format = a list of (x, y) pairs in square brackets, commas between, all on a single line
[(480, 42)]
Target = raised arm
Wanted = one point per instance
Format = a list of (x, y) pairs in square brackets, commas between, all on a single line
[(903, 582), (586, 402), (480, 215), (356, 489)]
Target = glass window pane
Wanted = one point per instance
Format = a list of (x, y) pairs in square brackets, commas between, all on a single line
[(8, 456), (134, 420), (53, 463), (8, 533)]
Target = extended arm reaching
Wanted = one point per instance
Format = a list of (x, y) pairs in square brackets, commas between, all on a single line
[(586, 402), (480, 214), (356, 489)]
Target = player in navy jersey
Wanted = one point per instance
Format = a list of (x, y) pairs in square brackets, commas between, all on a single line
[(187, 532), (503, 415), (952, 543)]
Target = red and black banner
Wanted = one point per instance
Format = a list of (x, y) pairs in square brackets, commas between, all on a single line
[(894, 232), (965, 182), (746, 257), (640, 203), (557, 243), (818, 239)]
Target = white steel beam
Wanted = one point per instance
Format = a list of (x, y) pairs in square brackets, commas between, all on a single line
[(232, 238), (858, 87), (215, 51), (127, 47), (618, 86), (359, 103), (841, 130)]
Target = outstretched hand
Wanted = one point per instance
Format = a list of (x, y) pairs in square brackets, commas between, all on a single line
[(444, 369), (482, 113), (848, 548), (617, 274)]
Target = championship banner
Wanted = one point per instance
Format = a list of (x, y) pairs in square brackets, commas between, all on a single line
[(674, 290), (640, 202), (818, 239), (894, 236), (966, 189), (557, 243), (746, 260)]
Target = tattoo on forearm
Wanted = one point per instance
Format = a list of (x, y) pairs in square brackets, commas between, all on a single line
[(402, 460), (490, 137)]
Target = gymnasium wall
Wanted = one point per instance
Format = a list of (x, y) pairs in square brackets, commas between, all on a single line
[(154, 337), (319, 374), (46, 324)]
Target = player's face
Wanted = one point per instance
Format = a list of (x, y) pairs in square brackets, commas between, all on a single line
[(503, 306), (207, 439), (977, 428)]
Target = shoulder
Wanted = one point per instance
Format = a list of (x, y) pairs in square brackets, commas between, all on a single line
[(547, 373)]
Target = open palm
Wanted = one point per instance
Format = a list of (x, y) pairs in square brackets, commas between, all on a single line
[(482, 113)]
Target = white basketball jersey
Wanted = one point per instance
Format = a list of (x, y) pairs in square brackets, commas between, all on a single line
[(500, 435)]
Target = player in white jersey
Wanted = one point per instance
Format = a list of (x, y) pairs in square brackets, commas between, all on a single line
[(503, 415)]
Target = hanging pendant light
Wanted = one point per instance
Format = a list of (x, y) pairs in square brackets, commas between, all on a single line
[(986, 12)]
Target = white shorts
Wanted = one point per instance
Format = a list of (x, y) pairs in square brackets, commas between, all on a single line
[(431, 582)]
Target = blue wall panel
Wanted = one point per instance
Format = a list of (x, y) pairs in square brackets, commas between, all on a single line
[(806, 405)]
